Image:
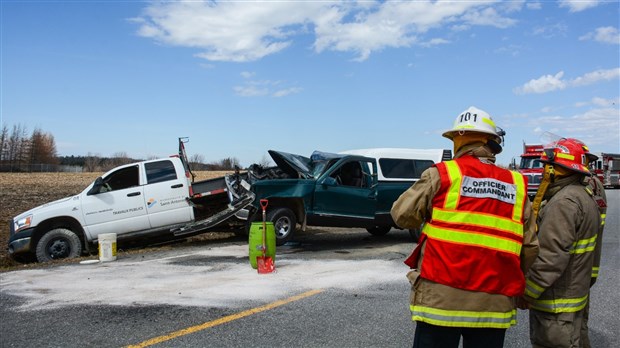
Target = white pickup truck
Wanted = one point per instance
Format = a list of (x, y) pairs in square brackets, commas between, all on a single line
[(144, 200)]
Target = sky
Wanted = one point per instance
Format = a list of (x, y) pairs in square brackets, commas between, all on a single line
[(239, 78)]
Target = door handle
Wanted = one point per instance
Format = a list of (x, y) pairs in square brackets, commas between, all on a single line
[(176, 186), (133, 194)]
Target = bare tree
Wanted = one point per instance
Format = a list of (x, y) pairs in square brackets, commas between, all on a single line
[(4, 143), (265, 162), (117, 159), (230, 163), (196, 162), (197, 159), (17, 147), (92, 163)]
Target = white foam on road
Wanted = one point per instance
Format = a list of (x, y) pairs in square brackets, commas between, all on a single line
[(162, 281)]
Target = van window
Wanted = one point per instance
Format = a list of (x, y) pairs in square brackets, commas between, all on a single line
[(160, 171), (398, 168)]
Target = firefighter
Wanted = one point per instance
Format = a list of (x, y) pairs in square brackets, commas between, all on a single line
[(598, 193), (558, 283), (477, 240)]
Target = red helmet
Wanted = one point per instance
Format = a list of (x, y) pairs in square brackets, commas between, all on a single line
[(569, 153)]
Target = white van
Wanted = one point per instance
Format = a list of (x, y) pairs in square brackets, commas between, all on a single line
[(402, 164)]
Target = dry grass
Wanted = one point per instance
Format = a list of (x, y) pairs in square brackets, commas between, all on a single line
[(23, 191)]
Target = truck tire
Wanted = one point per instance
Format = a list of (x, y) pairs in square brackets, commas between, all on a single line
[(59, 243), (379, 230), (284, 223)]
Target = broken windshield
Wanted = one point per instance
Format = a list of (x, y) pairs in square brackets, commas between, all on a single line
[(304, 167)]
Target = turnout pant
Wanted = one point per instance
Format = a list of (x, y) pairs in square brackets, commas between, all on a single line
[(555, 330), (433, 336)]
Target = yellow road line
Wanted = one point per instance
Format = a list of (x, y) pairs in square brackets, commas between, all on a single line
[(224, 320)]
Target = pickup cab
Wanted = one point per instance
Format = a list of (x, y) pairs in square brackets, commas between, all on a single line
[(352, 189), (145, 201)]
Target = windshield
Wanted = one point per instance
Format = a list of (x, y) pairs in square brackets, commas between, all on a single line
[(320, 167), (531, 163)]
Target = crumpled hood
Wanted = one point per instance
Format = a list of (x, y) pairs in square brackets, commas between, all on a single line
[(292, 165)]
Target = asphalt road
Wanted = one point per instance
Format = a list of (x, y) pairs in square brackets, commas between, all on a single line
[(338, 289)]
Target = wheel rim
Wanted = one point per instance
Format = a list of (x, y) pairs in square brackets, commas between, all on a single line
[(58, 248), (282, 227)]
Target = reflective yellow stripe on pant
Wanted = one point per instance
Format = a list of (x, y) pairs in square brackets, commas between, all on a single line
[(453, 318)]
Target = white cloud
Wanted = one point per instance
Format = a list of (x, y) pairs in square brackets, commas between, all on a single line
[(599, 102), (546, 109), (261, 88), (543, 84), (552, 30), (596, 76), (488, 16), (578, 5), (513, 50), (602, 102), (597, 127), (248, 31), (287, 91), (250, 91), (549, 83), (434, 42), (534, 5), (227, 31), (608, 35)]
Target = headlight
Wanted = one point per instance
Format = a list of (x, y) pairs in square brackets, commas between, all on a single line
[(23, 223)]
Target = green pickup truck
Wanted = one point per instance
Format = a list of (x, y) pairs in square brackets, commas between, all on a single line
[(351, 189)]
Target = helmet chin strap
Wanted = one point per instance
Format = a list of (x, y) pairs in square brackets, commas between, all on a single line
[(495, 147), (548, 177)]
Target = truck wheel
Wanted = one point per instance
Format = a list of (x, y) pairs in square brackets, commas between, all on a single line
[(57, 244), (415, 234), (284, 223), (379, 230)]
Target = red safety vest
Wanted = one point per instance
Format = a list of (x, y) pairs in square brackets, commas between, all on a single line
[(475, 234)]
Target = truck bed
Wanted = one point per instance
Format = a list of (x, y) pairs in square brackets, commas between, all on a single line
[(209, 187)]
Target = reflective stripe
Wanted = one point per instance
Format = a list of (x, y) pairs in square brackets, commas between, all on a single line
[(565, 156), (568, 305), (455, 176), (583, 246), (479, 219), (442, 317), (603, 216), (595, 272), (488, 121), (532, 289), (517, 211), (472, 238), (456, 179)]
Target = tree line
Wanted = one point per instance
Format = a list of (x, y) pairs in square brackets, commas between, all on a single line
[(21, 151)]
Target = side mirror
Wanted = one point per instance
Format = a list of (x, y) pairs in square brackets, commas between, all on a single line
[(96, 187), (513, 164), (329, 181)]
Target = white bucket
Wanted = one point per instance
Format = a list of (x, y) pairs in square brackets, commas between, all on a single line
[(107, 247)]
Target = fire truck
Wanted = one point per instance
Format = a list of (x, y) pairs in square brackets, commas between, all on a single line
[(607, 169), (531, 167)]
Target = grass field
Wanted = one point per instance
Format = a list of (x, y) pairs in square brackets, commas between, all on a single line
[(23, 191)]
